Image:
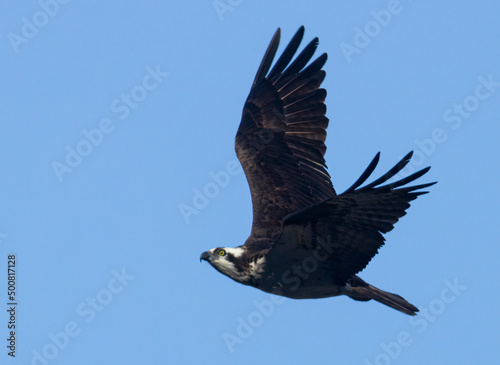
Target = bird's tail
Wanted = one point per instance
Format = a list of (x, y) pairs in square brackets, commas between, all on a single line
[(359, 290)]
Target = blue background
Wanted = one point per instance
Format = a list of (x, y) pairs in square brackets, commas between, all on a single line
[(107, 265)]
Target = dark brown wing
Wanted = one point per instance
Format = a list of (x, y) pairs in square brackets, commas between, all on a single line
[(349, 226), (280, 140)]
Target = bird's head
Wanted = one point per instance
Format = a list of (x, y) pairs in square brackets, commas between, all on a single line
[(228, 261)]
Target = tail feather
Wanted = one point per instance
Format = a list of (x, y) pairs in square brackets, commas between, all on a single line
[(366, 292)]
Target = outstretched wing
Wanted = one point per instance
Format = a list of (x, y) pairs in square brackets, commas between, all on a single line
[(280, 140), (347, 230)]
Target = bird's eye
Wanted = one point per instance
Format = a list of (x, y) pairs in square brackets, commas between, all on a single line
[(222, 252)]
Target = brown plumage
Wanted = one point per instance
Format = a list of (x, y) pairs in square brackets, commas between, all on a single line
[(298, 219), (280, 141)]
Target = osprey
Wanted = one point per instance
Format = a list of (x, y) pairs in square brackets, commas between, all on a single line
[(306, 241)]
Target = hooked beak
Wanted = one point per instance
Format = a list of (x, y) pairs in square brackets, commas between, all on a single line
[(205, 256)]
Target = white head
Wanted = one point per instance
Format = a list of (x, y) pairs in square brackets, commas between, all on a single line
[(229, 261)]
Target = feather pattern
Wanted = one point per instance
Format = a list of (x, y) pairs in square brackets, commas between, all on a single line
[(280, 140), (351, 224), (299, 222)]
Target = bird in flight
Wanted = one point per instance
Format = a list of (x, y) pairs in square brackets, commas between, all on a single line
[(307, 241)]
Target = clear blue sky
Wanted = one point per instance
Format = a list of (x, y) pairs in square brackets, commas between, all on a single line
[(116, 115)]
